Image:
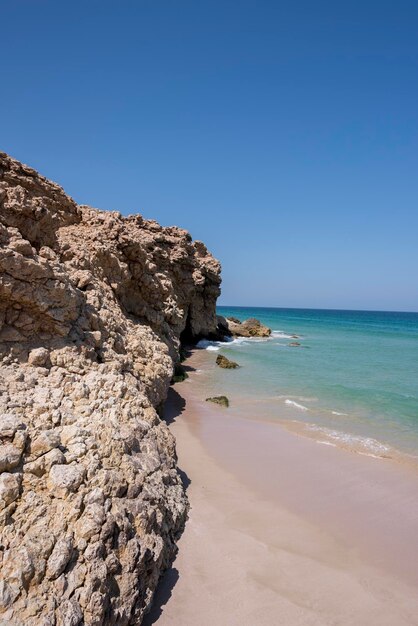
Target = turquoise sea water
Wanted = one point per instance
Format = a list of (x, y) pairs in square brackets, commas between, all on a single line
[(355, 374)]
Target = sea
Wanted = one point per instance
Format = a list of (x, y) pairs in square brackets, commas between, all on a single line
[(351, 382)]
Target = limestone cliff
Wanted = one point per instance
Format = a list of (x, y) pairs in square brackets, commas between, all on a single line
[(92, 308)]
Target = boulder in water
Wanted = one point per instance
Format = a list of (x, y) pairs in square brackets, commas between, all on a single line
[(249, 328), (225, 363)]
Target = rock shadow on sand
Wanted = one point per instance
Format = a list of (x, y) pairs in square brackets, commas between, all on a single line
[(161, 596), (174, 406)]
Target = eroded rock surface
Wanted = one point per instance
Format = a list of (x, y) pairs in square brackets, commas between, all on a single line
[(92, 307), (233, 327), (225, 363)]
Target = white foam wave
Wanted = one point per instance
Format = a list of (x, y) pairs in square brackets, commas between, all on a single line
[(301, 407), (280, 334), (366, 445), (230, 342), (205, 344), (338, 413), (237, 341), (299, 398)]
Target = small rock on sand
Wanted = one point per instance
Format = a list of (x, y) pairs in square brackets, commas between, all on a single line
[(221, 400)]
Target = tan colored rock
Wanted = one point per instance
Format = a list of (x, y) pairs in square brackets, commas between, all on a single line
[(69, 613), (64, 479), (44, 442), (60, 556), (249, 328), (43, 464), (9, 488), (92, 308), (9, 424), (10, 456), (38, 357), (225, 363)]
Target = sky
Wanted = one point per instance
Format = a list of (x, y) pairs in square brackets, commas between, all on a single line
[(283, 134)]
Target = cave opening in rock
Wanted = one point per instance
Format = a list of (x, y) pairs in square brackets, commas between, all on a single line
[(187, 337)]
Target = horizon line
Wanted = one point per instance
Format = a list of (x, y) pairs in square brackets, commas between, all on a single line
[(307, 308)]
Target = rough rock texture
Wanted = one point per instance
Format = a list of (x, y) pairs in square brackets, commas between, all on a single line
[(225, 363), (221, 400), (92, 307), (233, 327)]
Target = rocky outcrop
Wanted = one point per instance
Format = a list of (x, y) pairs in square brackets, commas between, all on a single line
[(225, 363), (232, 327), (92, 310)]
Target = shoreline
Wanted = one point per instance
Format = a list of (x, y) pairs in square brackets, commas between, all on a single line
[(268, 539), (255, 408)]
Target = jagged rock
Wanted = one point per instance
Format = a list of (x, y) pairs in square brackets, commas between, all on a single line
[(225, 363), (249, 328), (9, 488), (221, 400), (43, 443), (64, 479), (9, 424), (60, 556), (10, 457), (39, 356), (222, 329), (43, 464), (92, 309)]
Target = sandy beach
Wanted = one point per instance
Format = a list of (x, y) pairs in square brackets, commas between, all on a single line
[(283, 530)]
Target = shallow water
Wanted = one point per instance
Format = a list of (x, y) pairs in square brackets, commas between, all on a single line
[(353, 381)]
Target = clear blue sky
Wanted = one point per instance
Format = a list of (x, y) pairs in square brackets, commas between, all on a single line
[(283, 134)]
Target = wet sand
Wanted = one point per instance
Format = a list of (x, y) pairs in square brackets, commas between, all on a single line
[(283, 530)]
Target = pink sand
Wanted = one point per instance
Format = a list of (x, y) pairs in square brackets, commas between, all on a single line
[(283, 530)]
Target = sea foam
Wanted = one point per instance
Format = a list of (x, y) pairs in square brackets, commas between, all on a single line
[(280, 334), (205, 344), (301, 407), (363, 445)]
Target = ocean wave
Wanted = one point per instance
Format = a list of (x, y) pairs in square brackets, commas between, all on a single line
[(230, 342), (280, 334), (357, 443), (338, 413), (301, 407), (206, 344)]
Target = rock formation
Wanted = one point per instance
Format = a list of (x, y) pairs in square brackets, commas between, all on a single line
[(232, 327), (225, 363), (92, 310)]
